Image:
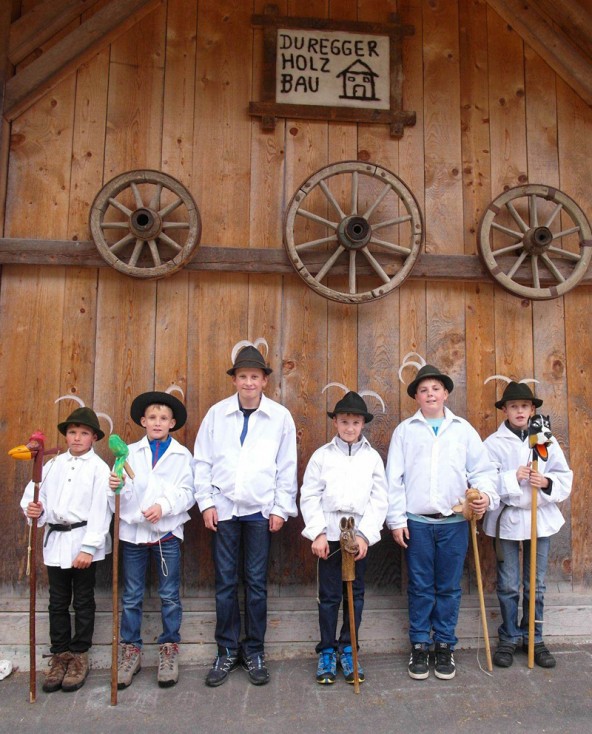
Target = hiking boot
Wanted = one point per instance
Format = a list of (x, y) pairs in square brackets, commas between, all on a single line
[(223, 665), (129, 665), (77, 672), (418, 667), (168, 664), (346, 660), (257, 670), (445, 668), (542, 656), (58, 665), (327, 667), (504, 654)]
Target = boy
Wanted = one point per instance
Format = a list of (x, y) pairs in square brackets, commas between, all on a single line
[(433, 457), (343, 478), (153, 510), (510, 524), (73, 507), (245, 486)]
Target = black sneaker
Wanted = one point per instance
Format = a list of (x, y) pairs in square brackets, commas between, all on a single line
[(223, 665), (418, 662), (504, 654), (256, 668), (445, 668), (542, 656)]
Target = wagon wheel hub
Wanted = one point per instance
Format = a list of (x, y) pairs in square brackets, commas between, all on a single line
[(145, 223), (354, 232), (537, 240)]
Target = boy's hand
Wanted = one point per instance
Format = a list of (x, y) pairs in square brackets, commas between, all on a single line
[(115, 480), (480, 506), (275, 523), (210, 518), (320, 546), (523, 473), (82, 560), (363, 546), (153, 513), (34, 510), (400, 535), (538, 480)]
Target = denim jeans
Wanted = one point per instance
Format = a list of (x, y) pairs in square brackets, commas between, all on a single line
[(76, 585), (135, 563), (332, 590), (435, 561), (508, 589), (255, 538)]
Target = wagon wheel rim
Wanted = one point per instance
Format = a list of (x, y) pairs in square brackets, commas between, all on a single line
[(371, 229), (145, 224), (535, 241)]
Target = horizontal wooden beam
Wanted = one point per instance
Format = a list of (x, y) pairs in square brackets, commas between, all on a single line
[(87, 40)]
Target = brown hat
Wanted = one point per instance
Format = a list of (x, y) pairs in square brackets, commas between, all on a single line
[(426, 371), (249, 357), (518, 391), (140, 404), (82, 417)]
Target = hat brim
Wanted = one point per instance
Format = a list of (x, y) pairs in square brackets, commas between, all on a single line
[(63, 428), (366, 416), (537, 402), (249, 365), (444, 379), (139, 405)]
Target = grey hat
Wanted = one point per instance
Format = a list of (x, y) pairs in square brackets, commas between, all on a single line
[(354, 404), (82, 417), (518, 391), (249, 357), (426, 371)]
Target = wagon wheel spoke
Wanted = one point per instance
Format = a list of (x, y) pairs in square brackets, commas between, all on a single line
[(508, 231), (348, 189), (534, 264), (147, 244), (517, 218), (514, 269), (553, 215), (533, 210), (552, 267), (508, 250), (573, 256)]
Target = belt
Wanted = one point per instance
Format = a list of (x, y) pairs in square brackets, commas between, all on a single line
[(435, 516), (55, 527)]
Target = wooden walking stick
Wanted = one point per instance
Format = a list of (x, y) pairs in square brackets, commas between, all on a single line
[(121, 452), (349, 551), (34, 449)]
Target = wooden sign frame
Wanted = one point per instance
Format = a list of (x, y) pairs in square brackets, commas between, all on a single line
[(268, 109)]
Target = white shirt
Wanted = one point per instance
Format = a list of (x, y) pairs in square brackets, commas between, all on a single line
[(429, 473), (260, 475), (73, 489), (337, 485), (169, 483), (508, 453)]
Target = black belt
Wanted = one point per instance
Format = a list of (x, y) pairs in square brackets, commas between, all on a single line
[(435, 516), (54, 527)]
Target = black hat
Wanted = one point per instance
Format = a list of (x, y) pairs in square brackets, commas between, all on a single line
[(518, 391), (140, 404), (354, 404), (249, 357), (82, 417), (426, 371)]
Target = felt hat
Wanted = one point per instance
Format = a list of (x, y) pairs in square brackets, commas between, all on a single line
[(354, 404), (426, 371), (518, 391), (82, 417), (140, 404), (249, 357)]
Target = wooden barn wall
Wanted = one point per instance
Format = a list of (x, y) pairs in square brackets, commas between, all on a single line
[(172, 94)]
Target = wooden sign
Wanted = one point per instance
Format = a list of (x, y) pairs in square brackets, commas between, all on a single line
[(331, 70)]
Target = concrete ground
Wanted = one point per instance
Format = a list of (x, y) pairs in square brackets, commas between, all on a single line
[(505, 702)]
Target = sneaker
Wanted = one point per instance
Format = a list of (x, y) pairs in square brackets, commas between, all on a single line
[(168, 664), (77, 672), (255, 666), (445, 668), (418, 667), (223, 665), (504, 654), (346, 659), (58, 665), (129, 664), (542, 656), (327, 667)]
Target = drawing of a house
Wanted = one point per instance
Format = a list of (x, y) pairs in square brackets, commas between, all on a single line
[(358, 82)]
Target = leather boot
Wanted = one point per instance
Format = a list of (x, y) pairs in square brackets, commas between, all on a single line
[(77, 672), (58, 665)]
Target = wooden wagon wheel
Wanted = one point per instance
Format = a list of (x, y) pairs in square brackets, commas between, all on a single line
[(535, 241), (145, 224), (353, 219)]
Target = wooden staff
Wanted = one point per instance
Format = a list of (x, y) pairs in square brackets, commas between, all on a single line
[(481, 596), (349, 550), (533, 558)]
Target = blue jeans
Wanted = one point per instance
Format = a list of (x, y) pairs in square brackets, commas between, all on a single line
[(332, 590), (435, 561), (255, 538), (508, 589), (135, 564)]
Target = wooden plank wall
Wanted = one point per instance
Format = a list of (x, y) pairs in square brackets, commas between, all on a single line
[(172, 94)]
